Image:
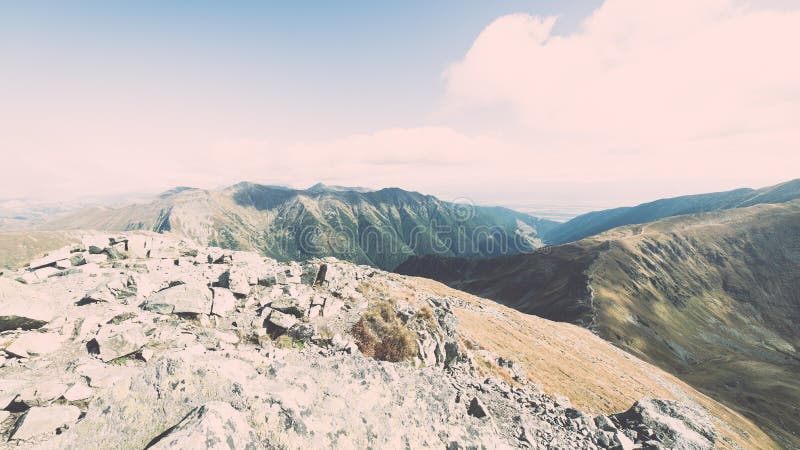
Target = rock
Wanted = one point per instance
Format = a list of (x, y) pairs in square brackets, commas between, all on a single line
[(190, 298), (113, 253), (223, 301), (214, 426), (216, 255), (6, 398), (302, 332), (289, 305), (50, 259), (3, 416), (99, 294), (309, 273), (147, 354), (114, 342), (476, 408), (96, 258), (674, 424), (281, 320), (77, 259), (622, 442), (235, 279), (228, 338), (515, 369), (290, 275), (340, 343), (78, 391), (123, 288), (38, 421), (21, 307), (332, 307), (34, 343), (42, 393), (604, 423), (101, 375)]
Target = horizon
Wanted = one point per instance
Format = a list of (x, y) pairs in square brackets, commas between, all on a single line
[(514, 103), (558, 211)]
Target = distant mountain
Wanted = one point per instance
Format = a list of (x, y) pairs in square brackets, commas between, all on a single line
[(599, 221), (319, 187), (713, 298), (381, 228), (24, 213)]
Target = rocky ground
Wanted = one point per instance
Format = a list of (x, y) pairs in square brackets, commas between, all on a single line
[(145, 341)]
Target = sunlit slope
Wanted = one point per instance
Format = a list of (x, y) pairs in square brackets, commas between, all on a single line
[(381, 228), (713, 298)]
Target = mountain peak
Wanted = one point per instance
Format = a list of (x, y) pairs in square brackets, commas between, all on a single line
[(176, 190), (321, 187)]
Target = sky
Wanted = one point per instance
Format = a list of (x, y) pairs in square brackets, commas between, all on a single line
[(609, 102)]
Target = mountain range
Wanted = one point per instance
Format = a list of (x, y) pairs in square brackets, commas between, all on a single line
[(713, 298), (598, 221), (706, 287), (381, 228)]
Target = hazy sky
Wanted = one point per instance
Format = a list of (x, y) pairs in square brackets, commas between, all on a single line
[(614, 101)]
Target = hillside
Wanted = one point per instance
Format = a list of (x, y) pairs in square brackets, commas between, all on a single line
[(144, 341), (380, 228), (713, 298), (597, 222)]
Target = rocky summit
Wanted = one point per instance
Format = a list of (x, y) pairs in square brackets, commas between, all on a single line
[(145, 340)]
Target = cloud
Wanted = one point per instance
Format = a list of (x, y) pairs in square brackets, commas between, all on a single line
[(703, 88), (684, 95)]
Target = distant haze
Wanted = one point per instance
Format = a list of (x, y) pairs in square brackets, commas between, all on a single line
[(553, 107)]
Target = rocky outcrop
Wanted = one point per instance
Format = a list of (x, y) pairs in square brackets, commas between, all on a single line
[(175, 354)]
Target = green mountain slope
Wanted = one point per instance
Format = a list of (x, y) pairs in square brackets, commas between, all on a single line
[(596, 222), (381, 228), (713, 298)]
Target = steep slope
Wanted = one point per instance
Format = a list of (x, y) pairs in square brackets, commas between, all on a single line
[(713, 298), (157, 343), (381, 228), (599, 221)]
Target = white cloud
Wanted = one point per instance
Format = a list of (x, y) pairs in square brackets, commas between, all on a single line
[(685, 95), (701, 88)]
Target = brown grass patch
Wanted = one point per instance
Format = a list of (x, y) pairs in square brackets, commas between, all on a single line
[(426, 314), (380, 334)]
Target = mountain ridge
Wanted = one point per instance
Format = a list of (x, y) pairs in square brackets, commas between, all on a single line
[(596, 222), (381, 228), (711, 297)]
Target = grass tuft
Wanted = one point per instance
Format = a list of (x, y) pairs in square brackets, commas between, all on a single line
[(381, 334)]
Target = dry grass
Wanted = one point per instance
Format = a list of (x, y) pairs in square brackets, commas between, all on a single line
[(569, 360), (426, 314), (19, 247), (381, 334)]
